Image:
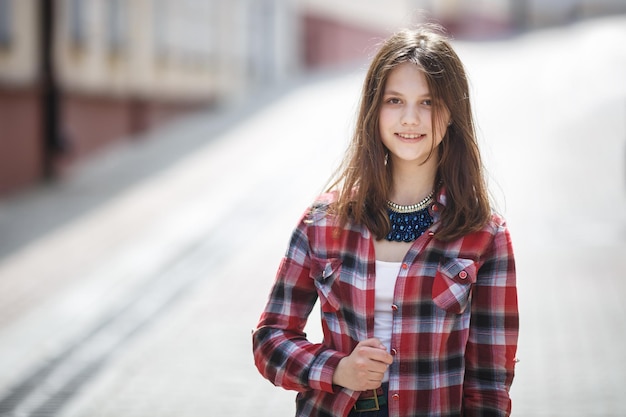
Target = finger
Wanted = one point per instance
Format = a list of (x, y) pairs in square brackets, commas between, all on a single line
[(372, 342), (380, 356), (375, 375), (379, 367), (374, 380), (374, 347)]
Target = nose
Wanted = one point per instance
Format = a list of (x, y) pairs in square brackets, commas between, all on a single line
[(410, 116)]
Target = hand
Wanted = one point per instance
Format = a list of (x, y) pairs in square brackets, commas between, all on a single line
[(364, 368)]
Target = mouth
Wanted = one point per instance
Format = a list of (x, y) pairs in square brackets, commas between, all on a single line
[(411, 136)]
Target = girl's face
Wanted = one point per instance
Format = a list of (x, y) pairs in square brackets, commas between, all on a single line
[(405, 118)]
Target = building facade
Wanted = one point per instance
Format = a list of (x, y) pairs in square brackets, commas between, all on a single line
[(79, 75)]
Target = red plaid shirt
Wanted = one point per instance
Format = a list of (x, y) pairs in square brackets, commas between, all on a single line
[(455, 324)]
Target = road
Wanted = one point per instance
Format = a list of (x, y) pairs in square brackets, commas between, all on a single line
[(142, 303)]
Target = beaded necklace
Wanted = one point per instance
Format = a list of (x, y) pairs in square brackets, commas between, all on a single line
[(409, 222)]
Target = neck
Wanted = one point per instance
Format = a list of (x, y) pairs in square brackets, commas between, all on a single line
[(412, 183)]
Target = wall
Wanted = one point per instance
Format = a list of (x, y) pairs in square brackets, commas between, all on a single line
[(21, 149)]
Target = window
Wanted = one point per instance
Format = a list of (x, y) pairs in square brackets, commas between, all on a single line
[(262, 38), (5, 23), (184, 32), (117, 26), (160, 29), (77, 23)]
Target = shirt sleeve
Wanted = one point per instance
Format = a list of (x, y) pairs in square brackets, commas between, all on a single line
[(282, 353), (492, 345)]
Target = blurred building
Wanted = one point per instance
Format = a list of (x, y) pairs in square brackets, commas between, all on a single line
[(77, 75), (356, 22), (540, 13)]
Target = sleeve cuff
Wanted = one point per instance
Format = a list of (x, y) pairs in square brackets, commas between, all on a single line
[(321, 373)]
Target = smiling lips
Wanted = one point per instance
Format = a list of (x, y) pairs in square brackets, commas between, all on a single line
[(410, 135)]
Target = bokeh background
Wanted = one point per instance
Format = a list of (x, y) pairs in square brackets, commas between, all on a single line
[(155, 155)]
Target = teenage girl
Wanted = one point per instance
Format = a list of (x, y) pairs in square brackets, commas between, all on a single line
[(414, 272)]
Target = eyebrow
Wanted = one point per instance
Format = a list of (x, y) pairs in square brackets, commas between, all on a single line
[(397, 93)]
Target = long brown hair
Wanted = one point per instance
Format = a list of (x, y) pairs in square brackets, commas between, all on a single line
[(364, 179)]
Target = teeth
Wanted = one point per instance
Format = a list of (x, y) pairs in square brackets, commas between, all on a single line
[(409, 136)]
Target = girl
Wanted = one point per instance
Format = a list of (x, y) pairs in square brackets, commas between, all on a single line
[(415, 275)]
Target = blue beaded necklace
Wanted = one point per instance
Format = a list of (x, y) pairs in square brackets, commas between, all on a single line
[(409, 222)]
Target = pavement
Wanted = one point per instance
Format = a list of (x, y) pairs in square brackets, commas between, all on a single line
[(130, 286)]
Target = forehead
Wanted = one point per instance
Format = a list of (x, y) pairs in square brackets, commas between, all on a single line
[(407, 78)]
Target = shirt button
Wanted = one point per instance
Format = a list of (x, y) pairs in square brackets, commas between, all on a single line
[(462, 274), (393, 352), (394, 307), (431, 233), (395, 397), (405, 266)]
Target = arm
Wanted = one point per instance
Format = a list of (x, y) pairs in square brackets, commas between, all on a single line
[(492, 344), (282, 353)]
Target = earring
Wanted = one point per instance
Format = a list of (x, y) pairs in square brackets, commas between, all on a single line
[(386, 157), (450, 123)]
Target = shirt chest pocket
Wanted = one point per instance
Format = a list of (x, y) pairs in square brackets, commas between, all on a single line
[(326, 274), (453, 283)]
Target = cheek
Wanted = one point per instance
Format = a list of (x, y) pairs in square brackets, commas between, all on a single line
[(383, 117)]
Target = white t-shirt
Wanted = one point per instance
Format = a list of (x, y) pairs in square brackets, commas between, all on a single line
[(386, 276)]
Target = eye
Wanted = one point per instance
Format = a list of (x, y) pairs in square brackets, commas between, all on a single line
[(392, 100), (427, 102)]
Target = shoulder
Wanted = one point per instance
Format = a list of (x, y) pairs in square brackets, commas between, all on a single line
[(500, 238), (321, 210), (496, 223), (480, 243), (322, 225), (493, 229)]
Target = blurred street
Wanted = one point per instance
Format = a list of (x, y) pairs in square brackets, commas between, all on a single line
[(130, 287)]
